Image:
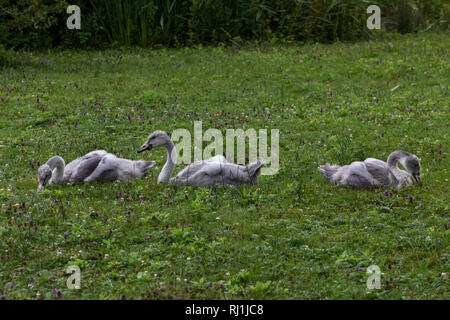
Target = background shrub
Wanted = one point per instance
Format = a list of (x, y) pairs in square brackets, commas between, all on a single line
[(4, 59), (30, 23), (42, 23)]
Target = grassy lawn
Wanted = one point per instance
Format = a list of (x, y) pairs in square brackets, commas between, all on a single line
[(292, 236)]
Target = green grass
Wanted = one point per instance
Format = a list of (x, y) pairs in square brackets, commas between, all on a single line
[(291, 236)]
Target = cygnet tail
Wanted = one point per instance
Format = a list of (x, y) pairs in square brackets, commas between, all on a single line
[(328, 171)]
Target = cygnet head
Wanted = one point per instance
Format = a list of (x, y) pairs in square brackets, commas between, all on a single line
[(44, 175), (156, 139), (412, 165)]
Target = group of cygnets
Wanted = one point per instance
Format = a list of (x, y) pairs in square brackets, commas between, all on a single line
[(100, 165)]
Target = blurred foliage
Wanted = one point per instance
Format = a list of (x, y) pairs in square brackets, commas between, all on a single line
[(3, 56), (34, 23), (30, 22)]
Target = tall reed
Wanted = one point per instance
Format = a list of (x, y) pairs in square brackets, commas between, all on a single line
[(126, 22), (185, 22)]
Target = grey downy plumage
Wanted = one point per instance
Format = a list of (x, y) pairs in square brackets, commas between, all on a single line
[(375, 173), (97, 165), (214, 171)]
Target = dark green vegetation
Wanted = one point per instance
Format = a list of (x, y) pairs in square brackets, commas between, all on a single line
[(42, 23), (291, 236)]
